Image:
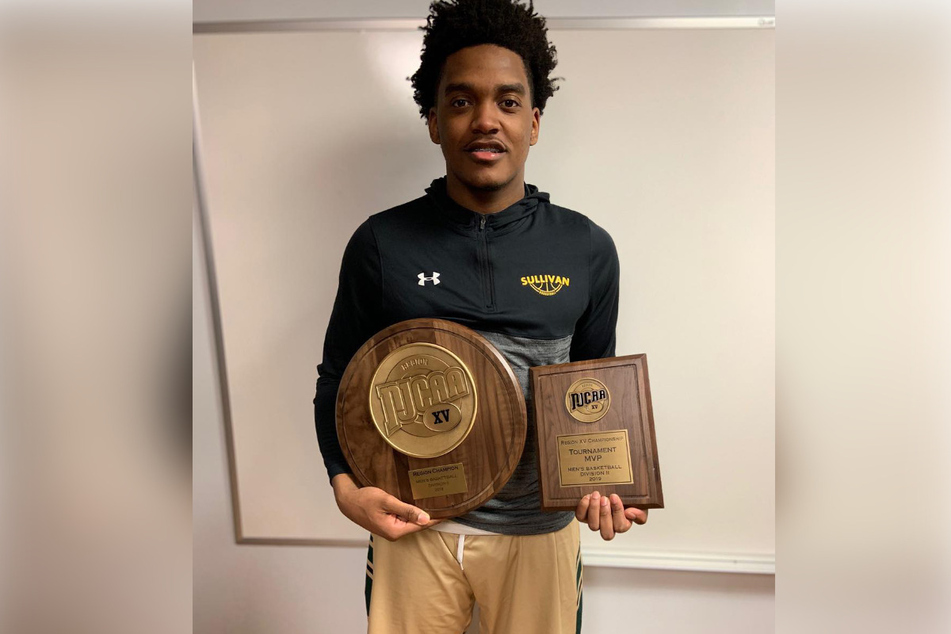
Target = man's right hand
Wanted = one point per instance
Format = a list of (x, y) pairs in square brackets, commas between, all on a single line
[(377, 511)]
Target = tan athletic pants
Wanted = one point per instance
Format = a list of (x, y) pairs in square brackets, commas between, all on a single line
[(427, 582)]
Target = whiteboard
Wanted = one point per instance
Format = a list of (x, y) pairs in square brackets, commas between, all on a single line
[(663, 137)]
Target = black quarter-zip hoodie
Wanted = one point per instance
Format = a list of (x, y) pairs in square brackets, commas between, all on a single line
[(539, 281)]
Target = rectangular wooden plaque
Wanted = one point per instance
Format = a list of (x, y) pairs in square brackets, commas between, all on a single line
[(594, 427)]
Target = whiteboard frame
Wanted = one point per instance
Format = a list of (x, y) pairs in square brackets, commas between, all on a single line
[(602, 557), (554, 24)]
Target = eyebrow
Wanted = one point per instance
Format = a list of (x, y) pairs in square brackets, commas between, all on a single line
[(518, 89)]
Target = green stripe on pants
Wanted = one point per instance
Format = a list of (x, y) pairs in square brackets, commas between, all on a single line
[(580, 594), (368, 589)]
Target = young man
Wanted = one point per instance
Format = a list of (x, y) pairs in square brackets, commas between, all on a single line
[(474, 250)]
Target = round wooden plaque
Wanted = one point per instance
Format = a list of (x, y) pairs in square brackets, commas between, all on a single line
[(430, 412)]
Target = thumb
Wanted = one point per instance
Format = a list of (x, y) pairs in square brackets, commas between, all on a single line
[(635, 515), (407, 512)]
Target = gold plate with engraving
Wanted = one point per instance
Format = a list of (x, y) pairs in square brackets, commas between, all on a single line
[(430, 482), (587, 400), (595, 458), (423, 400)]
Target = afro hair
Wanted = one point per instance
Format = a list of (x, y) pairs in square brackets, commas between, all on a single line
[(453, 25)]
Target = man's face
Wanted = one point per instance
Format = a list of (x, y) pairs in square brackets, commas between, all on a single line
[(484, 119)]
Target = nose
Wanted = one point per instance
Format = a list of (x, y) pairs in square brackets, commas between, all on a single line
[(485, 118)]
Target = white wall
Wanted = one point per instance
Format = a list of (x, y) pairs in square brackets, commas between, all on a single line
[(292, 590), (225, 10)]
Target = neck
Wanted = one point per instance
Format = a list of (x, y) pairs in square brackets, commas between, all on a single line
[(485, 201)]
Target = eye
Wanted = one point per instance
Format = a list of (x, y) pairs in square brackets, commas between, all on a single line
[(510, 104), (459, 102)]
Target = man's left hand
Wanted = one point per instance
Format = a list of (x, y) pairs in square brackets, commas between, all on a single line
[(608, 515)]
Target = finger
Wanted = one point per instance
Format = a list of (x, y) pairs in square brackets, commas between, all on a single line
[(397, 528), (637, 516), (594, 512), (621, 523), (581, 513), (406, 512), (607, 525)]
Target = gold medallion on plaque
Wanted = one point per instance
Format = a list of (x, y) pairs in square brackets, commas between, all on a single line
[(423, 400), (587, 400)]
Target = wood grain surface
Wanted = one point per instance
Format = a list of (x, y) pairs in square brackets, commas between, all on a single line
[(489, 453), (627, 381)]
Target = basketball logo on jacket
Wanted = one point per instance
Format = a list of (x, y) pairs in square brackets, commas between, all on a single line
[(546, 285)]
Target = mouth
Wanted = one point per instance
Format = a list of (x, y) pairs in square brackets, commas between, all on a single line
[(488, 151)]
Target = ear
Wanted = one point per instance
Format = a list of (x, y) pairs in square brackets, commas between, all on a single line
[(433, 126), (536, 124)]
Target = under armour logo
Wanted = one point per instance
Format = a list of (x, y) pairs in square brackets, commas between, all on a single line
[(423, 279)]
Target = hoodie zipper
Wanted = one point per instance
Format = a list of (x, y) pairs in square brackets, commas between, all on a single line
[(488, 288)]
